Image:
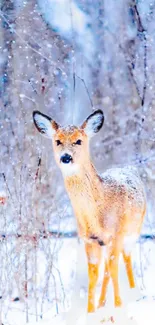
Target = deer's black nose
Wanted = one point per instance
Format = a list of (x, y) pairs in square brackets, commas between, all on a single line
[(66, 158)]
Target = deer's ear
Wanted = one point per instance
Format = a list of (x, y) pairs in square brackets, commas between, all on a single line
[(44, 124), (93, 123)]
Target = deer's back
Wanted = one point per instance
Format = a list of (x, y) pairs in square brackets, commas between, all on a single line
[(124, 183), (124, 200)]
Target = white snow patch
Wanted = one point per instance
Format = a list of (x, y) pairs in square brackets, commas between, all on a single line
[(72, 264)]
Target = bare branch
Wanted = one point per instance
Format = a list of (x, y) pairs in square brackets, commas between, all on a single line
[(143, 31), (86, 88)]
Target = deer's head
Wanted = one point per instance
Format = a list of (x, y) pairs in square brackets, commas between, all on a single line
[(70, 143)]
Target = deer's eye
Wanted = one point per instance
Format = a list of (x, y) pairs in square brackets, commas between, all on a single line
[(58, 142), (78, 142)]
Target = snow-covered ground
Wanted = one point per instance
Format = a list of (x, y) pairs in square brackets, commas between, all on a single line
[(71, 263)]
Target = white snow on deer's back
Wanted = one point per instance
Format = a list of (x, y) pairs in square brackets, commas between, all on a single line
[(129, 178)]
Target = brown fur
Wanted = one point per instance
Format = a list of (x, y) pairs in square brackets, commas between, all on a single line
[(109, 209)]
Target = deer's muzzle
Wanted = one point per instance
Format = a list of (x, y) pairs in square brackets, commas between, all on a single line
[(66, 158)]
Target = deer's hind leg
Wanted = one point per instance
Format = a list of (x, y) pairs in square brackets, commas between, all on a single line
[(129, 269), (114, 273), (114, 250), (94, 253), (111, 271)]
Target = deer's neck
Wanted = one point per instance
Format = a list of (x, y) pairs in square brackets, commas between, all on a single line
[(84, 190), (85, 180)]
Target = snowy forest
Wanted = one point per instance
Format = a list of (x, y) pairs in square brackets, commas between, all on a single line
[(67, 58)]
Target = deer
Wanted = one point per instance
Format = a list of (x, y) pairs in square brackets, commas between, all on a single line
[(109, 208)]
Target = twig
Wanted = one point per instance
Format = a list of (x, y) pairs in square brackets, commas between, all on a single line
[(142, 31), (140, 26), (38, 168), (86, 88), (73, 59), (145, 70), (40, 235), (7, 186), (25, 286), (130, 69), (35, 281)]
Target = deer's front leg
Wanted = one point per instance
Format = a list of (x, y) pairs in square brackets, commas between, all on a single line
[(104, 285), (93, 252)]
